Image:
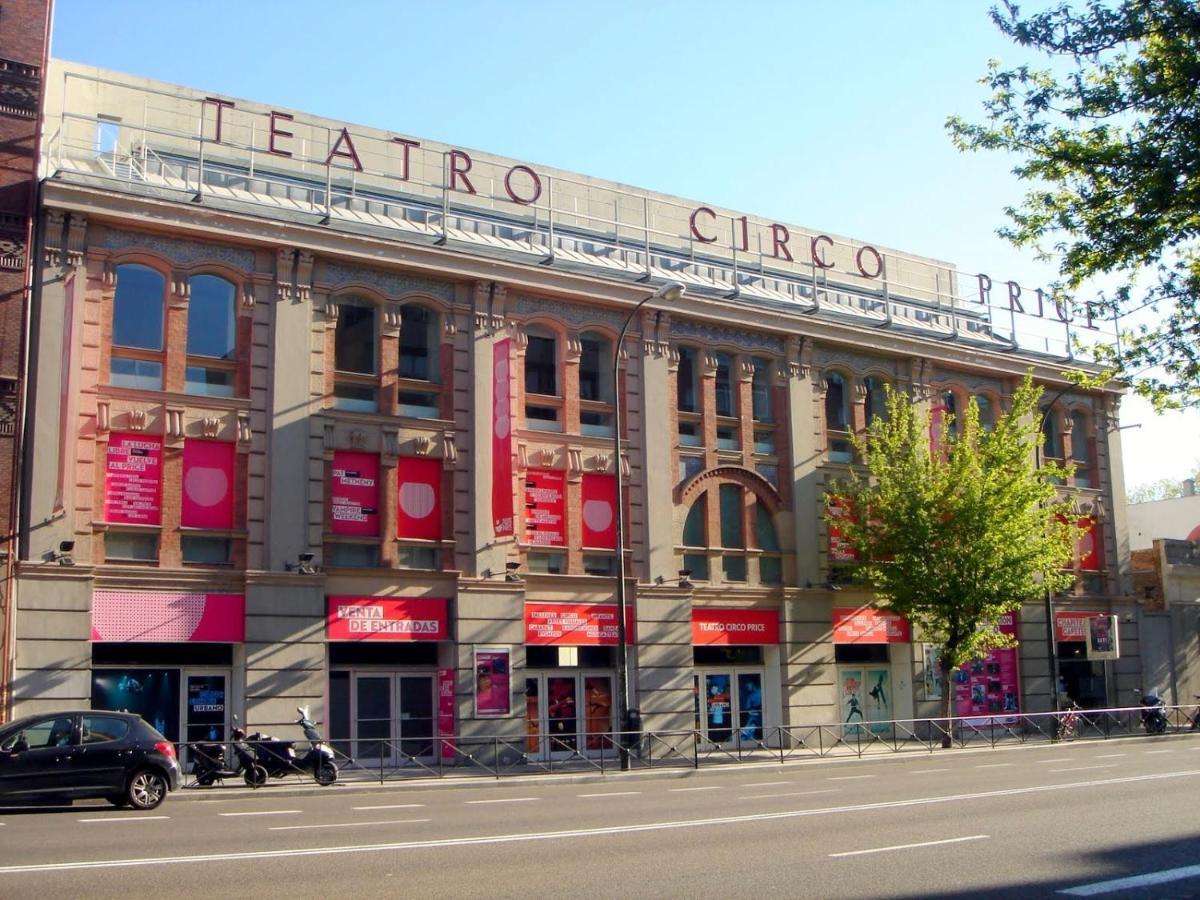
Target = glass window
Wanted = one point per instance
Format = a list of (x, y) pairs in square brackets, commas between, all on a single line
[(136, 373), (876, 399), (685, 380), (206, 550), (837, 409), (547, 563), (949, 414), (357, 556), (416, 558), (1051, 435), (356, 397), (768, 539), (693, 526), (732, 534), (760, 390), (138, 308), (211, 318), (733, 568), (724, 385), (595, 564), (541, 363), (98, 729), (987, 412), (133, 546), (354, 342), (210, 382), (1081, 448), (595, 368), (419, 343)]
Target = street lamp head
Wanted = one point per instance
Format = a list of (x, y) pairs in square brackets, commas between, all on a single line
[(671, 291)]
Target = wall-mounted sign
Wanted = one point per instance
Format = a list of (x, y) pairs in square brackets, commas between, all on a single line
[(869, 626), (387, 619), (1102, 638), (168, 617), (419, 498), (735, 626), (545, 508), (133, 480), (206, 499), (493, 694), (840, 549), (575, 624), (446, 712), (1071, 625), (354, 494), (599, 511), (987, 690)]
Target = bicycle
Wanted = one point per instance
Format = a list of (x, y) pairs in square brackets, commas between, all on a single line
[(1068, 722)]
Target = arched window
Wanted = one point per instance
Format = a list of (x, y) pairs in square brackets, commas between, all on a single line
[(770, 562), (760, 390), (595, 385), (695, 541), (687, 397), (419, 343), (987, 412), (137, 328), (837, 417), (541, 380), (356, 356), (950, 415), (1081, 448), (876, 398), (211, 337), (1052, 447), (724, 386)]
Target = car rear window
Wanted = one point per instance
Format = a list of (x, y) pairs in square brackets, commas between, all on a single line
[(97, 729)]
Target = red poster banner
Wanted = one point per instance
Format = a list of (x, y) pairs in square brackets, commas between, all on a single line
[(735, 626), (133, 480), (207, 494), (387, 619), (419, 499), (354, 494), (990, 684), (575, 624), (502, 465), (446, 712), (1091, 546), (839, 548), (599, 511), (545, 508), (1072, 626), (869, 626)]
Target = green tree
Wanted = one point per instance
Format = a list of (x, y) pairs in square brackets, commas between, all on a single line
[(955, 533), (1106, 135)]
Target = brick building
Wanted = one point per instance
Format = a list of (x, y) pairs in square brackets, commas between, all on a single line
[(326, 414)]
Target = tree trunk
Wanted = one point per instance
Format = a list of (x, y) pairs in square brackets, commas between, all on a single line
[(947, 706)]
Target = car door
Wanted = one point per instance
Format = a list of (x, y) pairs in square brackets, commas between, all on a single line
[(39, 759), (105, 751)]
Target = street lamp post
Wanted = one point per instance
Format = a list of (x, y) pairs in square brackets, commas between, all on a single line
[(670, 291)]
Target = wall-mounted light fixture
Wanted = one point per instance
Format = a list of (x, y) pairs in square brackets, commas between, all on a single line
[(62, 556), (683, 579), (303, 565), (511, 575)]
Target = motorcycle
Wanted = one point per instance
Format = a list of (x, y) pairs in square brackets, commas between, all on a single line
[(209, 764), (1154, 712), (279, 758)]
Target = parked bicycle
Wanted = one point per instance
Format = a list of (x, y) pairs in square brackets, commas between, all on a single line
[(1068, 722)]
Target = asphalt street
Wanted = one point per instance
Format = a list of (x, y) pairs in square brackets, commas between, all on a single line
[(1081, 818)]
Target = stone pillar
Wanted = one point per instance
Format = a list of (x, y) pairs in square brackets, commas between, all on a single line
[(662, 689)]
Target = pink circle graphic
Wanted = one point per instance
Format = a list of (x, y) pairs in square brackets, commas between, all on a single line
[(597, 514), (206, 486), (416, 499)]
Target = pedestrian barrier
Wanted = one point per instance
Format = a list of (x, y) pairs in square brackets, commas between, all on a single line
[(501, 755)]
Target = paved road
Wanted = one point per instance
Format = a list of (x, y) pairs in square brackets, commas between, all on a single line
[(1024, 822)]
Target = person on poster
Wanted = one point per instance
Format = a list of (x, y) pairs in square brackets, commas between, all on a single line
[(853, 705), (878, 692)]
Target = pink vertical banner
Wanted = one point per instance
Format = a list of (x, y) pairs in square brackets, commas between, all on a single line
[(354, 494), (133, 480), (599, 511), (446, 712), (502, 466), (207, 492)]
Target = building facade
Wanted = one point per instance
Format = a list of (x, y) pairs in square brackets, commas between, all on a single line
[(328, 415)]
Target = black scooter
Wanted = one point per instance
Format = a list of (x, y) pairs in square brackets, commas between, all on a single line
[(1154, 712), (210, 766), (279, 758)]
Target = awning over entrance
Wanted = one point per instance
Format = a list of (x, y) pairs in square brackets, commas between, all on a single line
[(869, 626), (168, 617), (735, 626), (575, 624), (387, 619)]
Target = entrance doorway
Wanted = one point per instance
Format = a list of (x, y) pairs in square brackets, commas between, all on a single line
[(568, 713), (392, 717), (865, 698), (729, 706)]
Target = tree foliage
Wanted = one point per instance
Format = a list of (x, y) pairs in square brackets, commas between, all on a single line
[(1162, 489), (955, 533), (1108, 136)]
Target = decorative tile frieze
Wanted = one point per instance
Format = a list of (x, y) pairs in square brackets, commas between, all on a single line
[(571, 313), (719, 334), (179, 251), (335, 275)]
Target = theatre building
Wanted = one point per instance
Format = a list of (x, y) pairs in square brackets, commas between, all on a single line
[(327, 415)]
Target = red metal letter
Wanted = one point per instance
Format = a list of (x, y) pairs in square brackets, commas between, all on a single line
[(457, 156), (779, 237), (349, 153), (537, 184), (985, 289), (275, 132), (745, 233), (878, 262), (407, 145), (221, 105), (817, 258), (1014, 297), (695, 228)]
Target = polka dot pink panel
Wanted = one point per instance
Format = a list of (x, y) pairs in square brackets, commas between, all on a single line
[(167, 616)]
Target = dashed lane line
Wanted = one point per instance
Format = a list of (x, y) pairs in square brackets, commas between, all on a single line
[(609, 794), (849, 777), (265, 812), (787, 794), (712, 787), (348, 824), (995, 766), (122, 819), (928, 771), (1085, 768), (766, 783), (390, 806), (503, 800)]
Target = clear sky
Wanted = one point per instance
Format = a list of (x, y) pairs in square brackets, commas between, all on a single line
[(827, 115)]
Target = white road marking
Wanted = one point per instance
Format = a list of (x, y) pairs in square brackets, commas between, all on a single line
[(995, 766), (349, 824), (715, 787), (787, 794), (503, 800), (957, 840), (927, 771), (624, 829), (1085, 768), (390, 806), (848, 777), (1148, 752), (265, 812), (123, 819), (1115, 755), (766, 783), (1058, 759), (610, 794), (1133, 881)]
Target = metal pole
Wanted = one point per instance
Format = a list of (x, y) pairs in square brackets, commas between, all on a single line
[(670, 291)]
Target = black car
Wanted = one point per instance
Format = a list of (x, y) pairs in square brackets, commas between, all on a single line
[(89, 753)]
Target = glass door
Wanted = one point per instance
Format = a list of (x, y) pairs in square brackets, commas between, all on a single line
[(415, 715), (729, 707), (373, 717), (568, 714), (865, 697), (394, 717), (562, 717)]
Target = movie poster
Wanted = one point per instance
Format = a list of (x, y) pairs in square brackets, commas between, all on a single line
[(493, 695), (986, 691)]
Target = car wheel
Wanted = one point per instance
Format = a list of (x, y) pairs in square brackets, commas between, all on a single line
[(118, 800), (147, 789), (255, 776), (326, 773)]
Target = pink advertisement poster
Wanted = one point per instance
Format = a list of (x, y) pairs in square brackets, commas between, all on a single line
[(133, 480), (545, 507), (354, 494), (207, 500), (419, 498), (446, 711), (502, 466), (492, 694), (599, 511), (986, 690)]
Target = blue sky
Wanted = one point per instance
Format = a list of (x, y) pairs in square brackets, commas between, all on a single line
[(826, 115)]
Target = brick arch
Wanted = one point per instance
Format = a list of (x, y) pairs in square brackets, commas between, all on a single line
[(762, 489)]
